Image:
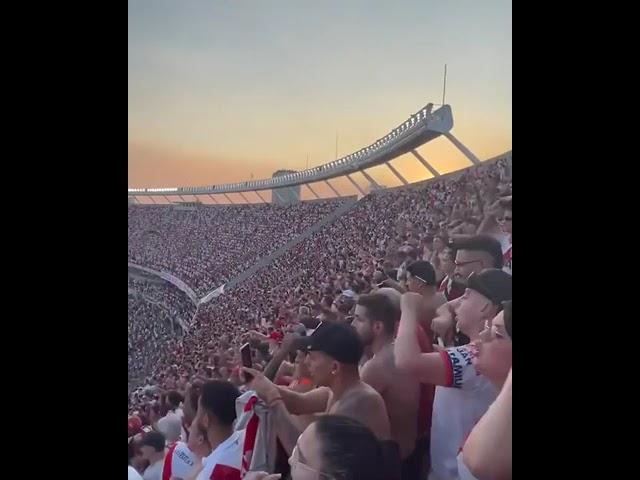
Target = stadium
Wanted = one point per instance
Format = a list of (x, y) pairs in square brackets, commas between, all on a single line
[(328, 322), (203, 275)]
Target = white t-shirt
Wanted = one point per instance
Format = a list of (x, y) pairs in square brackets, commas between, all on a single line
[(225, 461), (179, 461), (133, 474), (154, 472), (457, 408)]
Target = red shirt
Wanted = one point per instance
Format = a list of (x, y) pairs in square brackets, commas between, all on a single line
[(276, 335)]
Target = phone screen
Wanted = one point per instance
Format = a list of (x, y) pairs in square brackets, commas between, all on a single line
[(245, 354)]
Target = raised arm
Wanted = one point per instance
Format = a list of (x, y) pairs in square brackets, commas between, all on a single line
[(427, 367), (296, 403)]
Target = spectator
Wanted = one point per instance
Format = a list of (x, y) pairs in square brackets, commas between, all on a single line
[(334, 353), (448, 286), (375, 320), (494, 362), (462, 395), (216, 415), (498, 223), (473, 254), (152, 447), (337, 447)]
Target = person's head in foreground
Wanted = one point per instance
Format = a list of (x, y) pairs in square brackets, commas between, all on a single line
[(476, 253), (375, 318), (495, 355), (334, 350), (152, 446), (421, 278), (482, 300), (216, 410), (335, 447)]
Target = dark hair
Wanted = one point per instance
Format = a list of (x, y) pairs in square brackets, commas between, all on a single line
[(218, 398), (155, 440), (380, 308), (507, 317), (174, 399), (349, 449), (482, 243), (506, 204), (308, 321)]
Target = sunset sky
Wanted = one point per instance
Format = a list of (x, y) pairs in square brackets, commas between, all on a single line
[(223, 89)]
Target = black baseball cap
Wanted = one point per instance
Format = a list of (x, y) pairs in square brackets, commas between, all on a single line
[(154, 440), (338, 340), (493, 283), (423, 271)]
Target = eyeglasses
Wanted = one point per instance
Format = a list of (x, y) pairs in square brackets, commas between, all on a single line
[(462, 264), (490, 332), (505, 219), (296, 464)]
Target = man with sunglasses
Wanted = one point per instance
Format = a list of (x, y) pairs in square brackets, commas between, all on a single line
[(473, 254), (462, 395)]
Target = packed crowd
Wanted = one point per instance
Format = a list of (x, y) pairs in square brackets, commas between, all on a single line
[(206, 245), (157, 311), (394, 321)]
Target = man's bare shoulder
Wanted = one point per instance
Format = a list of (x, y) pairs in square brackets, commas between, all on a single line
[(365, 394)]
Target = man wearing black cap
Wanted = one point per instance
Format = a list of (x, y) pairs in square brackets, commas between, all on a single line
[(473, 254), (334, 350), (462, 395), (421, 279)]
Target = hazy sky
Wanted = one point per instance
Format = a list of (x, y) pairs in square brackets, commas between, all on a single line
[(222, 89)]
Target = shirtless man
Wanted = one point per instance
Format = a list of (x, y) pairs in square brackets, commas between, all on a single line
[(375, 320), (334, 352)]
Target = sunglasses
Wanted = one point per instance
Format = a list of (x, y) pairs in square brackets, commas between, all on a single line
[(462, 264), (505, 219)]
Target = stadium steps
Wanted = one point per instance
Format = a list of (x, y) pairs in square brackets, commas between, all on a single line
[(349, 204)]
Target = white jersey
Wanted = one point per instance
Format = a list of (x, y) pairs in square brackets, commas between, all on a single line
[(457, 408), (179, 462), (225, 462), (133, 474), (153, 472)]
